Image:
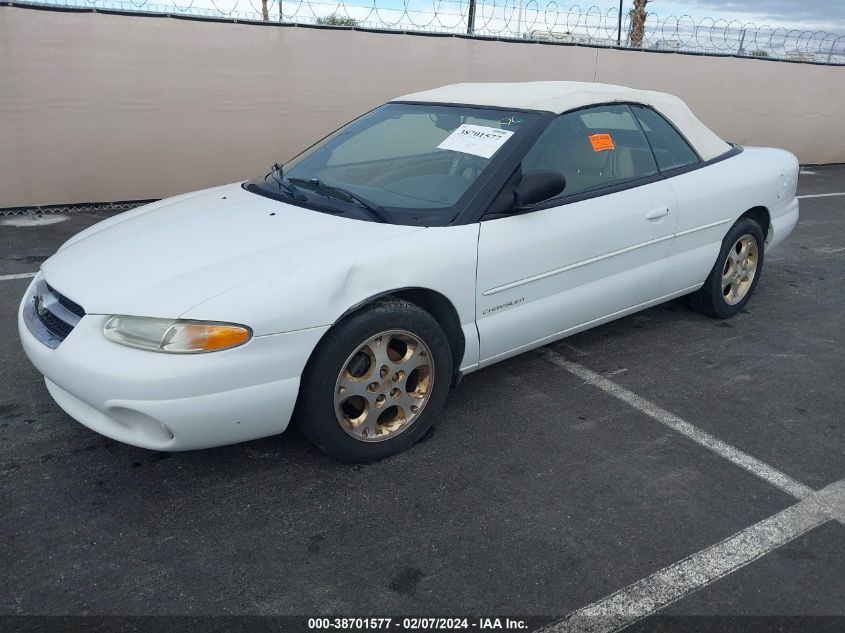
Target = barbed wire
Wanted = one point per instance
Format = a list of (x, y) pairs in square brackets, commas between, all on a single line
[(541, 20)]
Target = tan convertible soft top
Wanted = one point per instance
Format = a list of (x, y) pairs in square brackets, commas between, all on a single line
[(562, 96)]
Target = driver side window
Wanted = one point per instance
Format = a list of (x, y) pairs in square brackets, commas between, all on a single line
[(593, 148)]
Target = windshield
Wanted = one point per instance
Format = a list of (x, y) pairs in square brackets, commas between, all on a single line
[(404, 159)]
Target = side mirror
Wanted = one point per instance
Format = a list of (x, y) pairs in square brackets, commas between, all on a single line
[(538, 185)]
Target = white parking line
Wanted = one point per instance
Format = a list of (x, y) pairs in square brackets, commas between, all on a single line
[(731, 453), (820, 195), (17, 276), (670, 584)]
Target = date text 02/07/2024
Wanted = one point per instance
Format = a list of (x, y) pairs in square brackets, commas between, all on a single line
[(417, 623)]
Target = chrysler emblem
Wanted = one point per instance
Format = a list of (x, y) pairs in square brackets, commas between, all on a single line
[(39, 306)]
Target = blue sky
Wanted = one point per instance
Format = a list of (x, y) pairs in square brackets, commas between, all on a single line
[(826, 15)]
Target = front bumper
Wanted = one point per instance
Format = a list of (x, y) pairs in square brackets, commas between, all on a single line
[(172, 402)]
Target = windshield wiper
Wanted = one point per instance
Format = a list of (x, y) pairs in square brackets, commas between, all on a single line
[(277, 174), (376, 211)]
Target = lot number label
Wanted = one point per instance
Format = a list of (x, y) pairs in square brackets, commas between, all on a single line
[(476, 139)]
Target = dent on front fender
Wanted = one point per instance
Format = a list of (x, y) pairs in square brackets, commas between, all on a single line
[(319, 290), (441, 260)]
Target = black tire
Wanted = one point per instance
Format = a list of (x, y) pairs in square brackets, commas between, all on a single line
[(315, 410), (709, 299)]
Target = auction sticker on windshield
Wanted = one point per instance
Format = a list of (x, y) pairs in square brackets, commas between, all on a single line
[(476, 139)]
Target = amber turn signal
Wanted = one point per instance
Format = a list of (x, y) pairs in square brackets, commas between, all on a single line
[(174, 335)]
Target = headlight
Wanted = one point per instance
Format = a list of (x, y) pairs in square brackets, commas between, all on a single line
[(174, 335)]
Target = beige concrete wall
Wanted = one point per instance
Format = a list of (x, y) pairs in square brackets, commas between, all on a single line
[(799, 107), (100, 107)]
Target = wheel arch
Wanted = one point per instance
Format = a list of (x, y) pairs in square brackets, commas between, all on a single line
[(761, 216), (436, 304)]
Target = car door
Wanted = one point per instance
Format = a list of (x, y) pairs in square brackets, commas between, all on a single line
[(595, 251), (702, 217)]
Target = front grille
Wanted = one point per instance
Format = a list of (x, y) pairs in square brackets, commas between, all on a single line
[(54, 324), (51, 316), (70, 305)]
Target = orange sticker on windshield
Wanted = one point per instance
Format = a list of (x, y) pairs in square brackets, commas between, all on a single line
[(601, 142)]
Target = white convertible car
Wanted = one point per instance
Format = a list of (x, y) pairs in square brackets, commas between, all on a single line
[(351, 288)]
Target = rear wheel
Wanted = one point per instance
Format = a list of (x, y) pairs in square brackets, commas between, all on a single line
[(735, 275), (376, 382)]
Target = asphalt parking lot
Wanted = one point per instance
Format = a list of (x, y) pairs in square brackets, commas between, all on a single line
[(552, 481)]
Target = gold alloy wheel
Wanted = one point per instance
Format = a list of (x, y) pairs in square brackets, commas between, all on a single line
[(739, 269), (383, 386)]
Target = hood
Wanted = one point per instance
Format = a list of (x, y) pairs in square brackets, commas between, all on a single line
[(162, 259)]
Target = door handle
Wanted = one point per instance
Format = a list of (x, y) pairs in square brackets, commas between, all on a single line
[(656, 214)]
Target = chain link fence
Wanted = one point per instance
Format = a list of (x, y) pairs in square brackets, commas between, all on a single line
[(539, 20)]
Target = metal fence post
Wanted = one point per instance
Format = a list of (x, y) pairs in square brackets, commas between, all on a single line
[(619, 30), (741, 42), (471, 17)]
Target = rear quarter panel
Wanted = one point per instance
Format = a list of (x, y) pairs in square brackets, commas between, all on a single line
[(711, 199)]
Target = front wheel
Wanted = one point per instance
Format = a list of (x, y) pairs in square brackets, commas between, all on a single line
[(735, 275), (376, 381)]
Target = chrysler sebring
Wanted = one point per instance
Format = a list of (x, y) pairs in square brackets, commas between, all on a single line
[(351, 287)]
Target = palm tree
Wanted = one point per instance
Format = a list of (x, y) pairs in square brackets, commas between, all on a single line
[(265, 10), (638, 16)]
